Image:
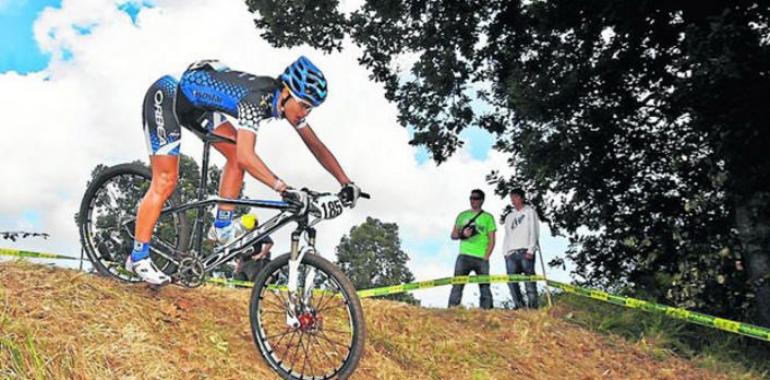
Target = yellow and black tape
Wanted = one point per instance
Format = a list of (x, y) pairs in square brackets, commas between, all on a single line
[(484, 279), (233, 283), (34, 255), (403, 288), (750, 330)]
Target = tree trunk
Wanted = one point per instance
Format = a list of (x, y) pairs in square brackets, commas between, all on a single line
[(752, 219)]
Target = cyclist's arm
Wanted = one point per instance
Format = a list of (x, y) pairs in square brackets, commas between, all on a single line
[(323, 155), (250, 162)]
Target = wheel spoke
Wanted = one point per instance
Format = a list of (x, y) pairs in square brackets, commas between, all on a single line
[(326, 338)]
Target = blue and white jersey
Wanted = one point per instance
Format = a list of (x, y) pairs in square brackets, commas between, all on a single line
[(210, 86)]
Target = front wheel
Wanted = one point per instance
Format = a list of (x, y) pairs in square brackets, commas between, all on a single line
[(326, 337)]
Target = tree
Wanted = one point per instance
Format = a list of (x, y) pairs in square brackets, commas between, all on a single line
[(640, 127), (13, 235), (371, 257)]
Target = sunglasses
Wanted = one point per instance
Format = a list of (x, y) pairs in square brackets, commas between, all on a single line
[(476, 198)]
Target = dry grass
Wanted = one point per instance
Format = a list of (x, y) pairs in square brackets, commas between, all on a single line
[(61, 324)]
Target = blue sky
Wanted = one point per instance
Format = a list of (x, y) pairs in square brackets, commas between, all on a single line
[(19, 52)]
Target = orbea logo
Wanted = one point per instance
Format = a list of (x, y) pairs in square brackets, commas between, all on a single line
[(161, 123)]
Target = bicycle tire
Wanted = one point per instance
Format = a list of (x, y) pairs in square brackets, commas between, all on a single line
[(355, 309)]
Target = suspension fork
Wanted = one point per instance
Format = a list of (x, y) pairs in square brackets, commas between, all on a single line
[(295, 259), (310, 279)]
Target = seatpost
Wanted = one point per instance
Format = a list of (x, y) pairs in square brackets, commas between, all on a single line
[(199, 214), (204, 170)]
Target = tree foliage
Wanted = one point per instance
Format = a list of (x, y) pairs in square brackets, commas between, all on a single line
[(371, 257), (13, 235), (640, 127)]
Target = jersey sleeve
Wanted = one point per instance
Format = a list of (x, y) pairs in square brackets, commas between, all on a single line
[(248, 117)]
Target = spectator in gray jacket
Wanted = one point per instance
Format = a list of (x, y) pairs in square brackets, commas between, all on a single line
[(522, 229)]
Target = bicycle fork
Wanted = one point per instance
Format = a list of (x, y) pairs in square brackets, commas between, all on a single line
[(296, 304)]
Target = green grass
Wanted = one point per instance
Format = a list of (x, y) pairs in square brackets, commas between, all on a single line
[(738, 356)]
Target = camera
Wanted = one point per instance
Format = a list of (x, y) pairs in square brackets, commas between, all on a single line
[(474, 231)]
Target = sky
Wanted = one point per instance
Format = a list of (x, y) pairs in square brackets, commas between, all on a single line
[(72, 77)]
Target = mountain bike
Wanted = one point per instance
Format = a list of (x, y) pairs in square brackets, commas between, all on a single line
[(306, 318)]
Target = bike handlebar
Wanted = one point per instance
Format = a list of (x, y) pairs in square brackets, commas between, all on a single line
[(314, 195)]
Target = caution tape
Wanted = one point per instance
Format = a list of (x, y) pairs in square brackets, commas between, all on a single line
[(34, 255), (746, 329), (753, 331), (403, 288), (233, 283), (457, 280)]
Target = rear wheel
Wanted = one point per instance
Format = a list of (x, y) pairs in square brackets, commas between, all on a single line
[(328, 339), (107, 219)]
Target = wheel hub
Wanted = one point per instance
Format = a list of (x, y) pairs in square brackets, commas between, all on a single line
[(308, 321)]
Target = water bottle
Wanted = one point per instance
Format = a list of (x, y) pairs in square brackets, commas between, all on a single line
[(244, 225)]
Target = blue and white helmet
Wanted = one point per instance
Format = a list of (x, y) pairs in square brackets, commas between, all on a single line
[(305, 81)]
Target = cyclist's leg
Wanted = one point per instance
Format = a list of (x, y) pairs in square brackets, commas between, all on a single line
[(232, 174), (165, 169), (230, 183), (162, 133)]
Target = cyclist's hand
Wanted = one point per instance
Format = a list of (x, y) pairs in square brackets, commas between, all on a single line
[(294, 196), (349, 194), (280, 186)]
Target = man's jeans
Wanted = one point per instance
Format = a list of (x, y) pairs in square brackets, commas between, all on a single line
[(463, 266), (517, 263)]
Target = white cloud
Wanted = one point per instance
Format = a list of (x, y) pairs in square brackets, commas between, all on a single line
[(86, 110)]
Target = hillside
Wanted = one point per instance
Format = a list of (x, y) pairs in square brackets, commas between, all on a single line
[(62, 324)]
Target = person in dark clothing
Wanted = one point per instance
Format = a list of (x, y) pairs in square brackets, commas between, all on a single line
[(249, 266)]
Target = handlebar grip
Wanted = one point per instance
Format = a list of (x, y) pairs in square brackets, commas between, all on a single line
[(365, 195)]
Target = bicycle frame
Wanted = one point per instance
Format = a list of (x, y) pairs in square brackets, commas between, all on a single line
[(288, 213)]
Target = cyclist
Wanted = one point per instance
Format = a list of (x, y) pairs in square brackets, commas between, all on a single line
[(210, 97)]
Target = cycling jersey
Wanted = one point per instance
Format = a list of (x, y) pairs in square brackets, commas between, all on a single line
[(199, 101)]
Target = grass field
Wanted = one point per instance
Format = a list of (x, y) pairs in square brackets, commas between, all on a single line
[(62, 324)]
